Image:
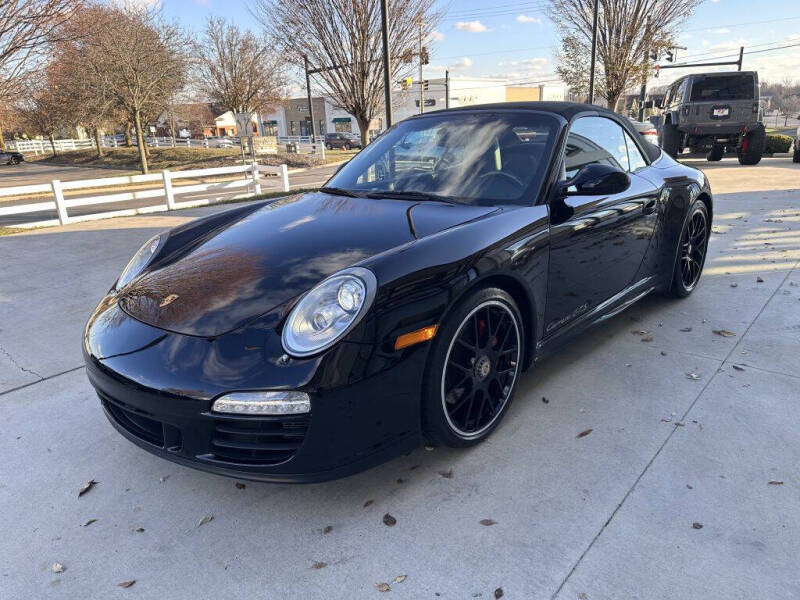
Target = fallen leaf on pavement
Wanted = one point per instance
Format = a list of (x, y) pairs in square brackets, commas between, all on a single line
[(86, 487), (204, 520), (389, 520), (58, 567), (498, 593), (327, 529), (368, 503), (126, 584), (774, 483), (734, 285), (583, 596), (697, 525), (759, 280), (240, 486), (737, 368), (399, 579), (545, 400), (693, 376), (686, 329), (139, 530), (89, 522), (488, 522), (163, 479), (724, 333), (584, 433), (447, 474), (648, 338), (383, 587), (429, 448), (319, 565)]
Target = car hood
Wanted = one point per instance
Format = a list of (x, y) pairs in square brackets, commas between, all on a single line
[(263, 259)]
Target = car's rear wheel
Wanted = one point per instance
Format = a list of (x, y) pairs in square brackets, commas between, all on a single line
[(716, 153), (692, 249), (751, 148), (670, 139), (796, 155), (475, 362)]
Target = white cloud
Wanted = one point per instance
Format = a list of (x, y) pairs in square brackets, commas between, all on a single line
[(462, 65), (720, 30), (529, 63), (436, 36), (705, 43), (471, 26), (528, 19)]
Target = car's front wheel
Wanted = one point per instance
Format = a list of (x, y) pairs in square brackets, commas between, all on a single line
[(475, 362), (692, 249), (751, 148)]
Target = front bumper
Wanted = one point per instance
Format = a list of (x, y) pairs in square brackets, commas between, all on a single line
[(157, 388)]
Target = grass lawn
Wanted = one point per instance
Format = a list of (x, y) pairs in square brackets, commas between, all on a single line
[(335, 156), (172, 158)]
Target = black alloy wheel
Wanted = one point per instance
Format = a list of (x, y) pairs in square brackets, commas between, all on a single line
[(692, 250), (479, 358)]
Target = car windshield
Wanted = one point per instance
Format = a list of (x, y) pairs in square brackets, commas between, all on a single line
[(723, 87), (475, 158)]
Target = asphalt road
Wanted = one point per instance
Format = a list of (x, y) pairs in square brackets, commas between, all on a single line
[(608, 515), (32, 173)]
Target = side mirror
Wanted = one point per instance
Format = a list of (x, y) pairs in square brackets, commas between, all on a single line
[(596, 180)]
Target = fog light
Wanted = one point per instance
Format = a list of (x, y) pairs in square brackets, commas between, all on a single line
[(263, 403)]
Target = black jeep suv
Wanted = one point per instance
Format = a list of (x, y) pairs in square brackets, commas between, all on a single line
[(712, 112)]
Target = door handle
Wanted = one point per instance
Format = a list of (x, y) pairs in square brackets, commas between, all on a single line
[(649, 206)]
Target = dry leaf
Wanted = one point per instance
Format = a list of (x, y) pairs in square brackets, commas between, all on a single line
[(58, 567), (488, 522), (429, 448), (126, 584), (327, 529), (545, 400), (737, 368), (89, 522), (734, 285), (759, 280), (389, 520), (697, 525), (724, 333), (204, 520), (583, 596), (399, 579), (383, 587), (498, 593), (368, 503), (686, 329), (163, 479), (648, 338), (447, 474), (319, 565), (693, 376), (584, 433), (240, 486), (774, 483), (139, 530), (86, 487)]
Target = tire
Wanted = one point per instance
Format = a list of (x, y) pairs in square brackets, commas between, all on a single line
[(716, 153), (469, 386), (685, 275), (751, 148), (670, 139), (328, 146), (796, 155)]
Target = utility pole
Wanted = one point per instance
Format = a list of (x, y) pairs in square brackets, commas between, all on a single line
[(421, 85), (387, 62), (594, 52), (447, 89), (741, 57), (643, 90), (310, 106)]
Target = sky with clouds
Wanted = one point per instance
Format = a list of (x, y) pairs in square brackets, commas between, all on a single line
[(517, 41)]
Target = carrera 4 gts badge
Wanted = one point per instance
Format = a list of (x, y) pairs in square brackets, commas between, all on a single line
[(168, 300)]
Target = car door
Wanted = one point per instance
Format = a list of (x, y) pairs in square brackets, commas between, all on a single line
[(597, 241)]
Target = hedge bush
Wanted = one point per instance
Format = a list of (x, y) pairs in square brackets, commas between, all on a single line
[(777, 143)]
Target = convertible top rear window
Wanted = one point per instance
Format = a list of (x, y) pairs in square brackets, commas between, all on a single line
[(481, 158)]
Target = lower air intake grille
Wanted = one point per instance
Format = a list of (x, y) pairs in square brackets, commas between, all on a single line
[(142, 425), (258, 440)]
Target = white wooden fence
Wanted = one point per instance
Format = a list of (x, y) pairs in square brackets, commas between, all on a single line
[(248, 185)]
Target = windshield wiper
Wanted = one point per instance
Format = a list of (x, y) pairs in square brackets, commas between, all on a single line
[(340, 192), (411, 195)]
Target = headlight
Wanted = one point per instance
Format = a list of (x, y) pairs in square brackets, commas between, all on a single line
[(139, 261), (329, 311)]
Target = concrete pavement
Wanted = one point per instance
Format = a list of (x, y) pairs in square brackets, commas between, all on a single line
[(608, 515)]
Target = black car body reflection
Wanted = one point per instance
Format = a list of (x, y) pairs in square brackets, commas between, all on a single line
[(526, 223)]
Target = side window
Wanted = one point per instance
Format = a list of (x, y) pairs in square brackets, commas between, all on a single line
[(595, 140), (635, 158), (678, 94)]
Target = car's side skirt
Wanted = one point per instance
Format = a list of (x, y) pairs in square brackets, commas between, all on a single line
[(602, 312)]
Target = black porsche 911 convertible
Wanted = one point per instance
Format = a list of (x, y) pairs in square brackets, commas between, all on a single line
[(309, 337)]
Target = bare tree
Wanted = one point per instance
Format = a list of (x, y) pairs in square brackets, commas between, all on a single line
[(573, 68), (42, 108), (27, 27), (627, 31), (139, 58), (346, 35), (237, 69)]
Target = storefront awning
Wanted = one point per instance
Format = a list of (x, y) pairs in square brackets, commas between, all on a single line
[(341, 120)]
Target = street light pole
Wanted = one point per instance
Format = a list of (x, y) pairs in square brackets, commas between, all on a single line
[(310, 105), (387, 62), (594, 52)]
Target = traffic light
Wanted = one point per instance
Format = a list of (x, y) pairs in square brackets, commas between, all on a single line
[(424, 57), (425, 85), (670, 55), (407, 57), (406, 83), (653, 55)]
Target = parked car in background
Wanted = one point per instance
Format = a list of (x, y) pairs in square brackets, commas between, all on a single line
[(647, 130), (341, 141), (11, 158), (796, 153), (220, 142), (712, 112)]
